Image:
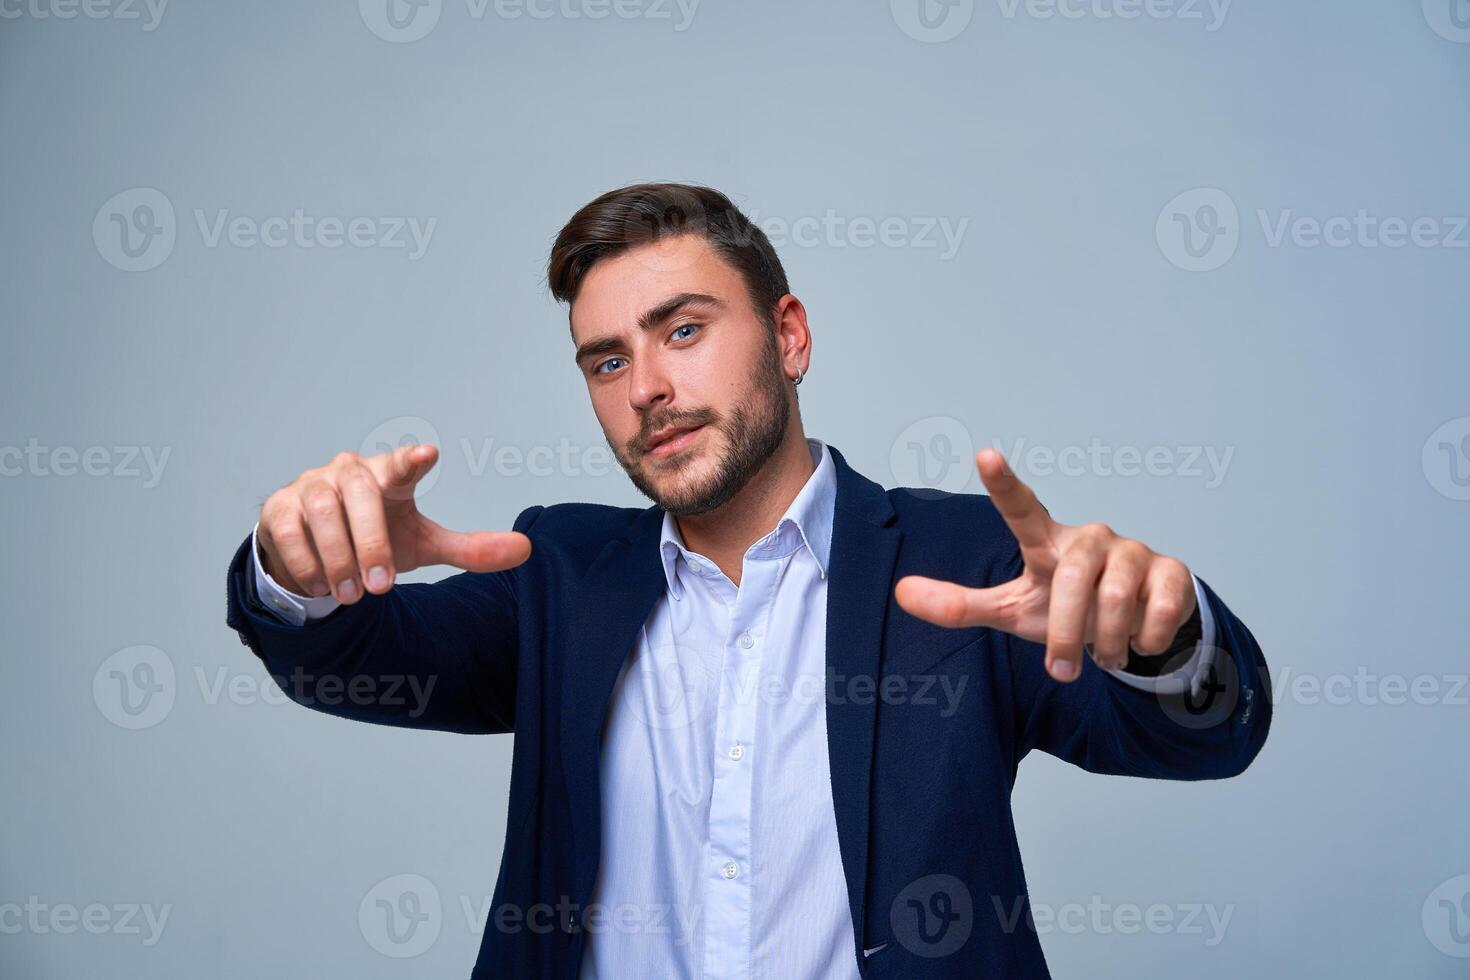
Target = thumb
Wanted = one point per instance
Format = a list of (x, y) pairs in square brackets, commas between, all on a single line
[(952, 605), (471, 551)]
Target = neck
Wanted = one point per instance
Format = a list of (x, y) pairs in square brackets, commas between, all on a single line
[(724, 534)]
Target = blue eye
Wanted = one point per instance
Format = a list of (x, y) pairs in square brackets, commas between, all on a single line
[(599, 368), (683, 326)]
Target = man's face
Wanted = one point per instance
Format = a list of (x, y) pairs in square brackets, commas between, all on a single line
[(685, 378)]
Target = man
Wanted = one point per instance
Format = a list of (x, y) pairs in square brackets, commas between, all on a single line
[(769, 726)]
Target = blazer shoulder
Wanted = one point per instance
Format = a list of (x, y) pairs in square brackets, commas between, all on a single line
[(922, 507), (962, 533), (579, 529)]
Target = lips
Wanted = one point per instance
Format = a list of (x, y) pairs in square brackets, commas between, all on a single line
[(666, 441)]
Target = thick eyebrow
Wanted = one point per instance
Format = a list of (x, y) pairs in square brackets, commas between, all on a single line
[(649, 320)]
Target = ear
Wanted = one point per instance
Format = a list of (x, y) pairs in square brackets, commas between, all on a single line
[(793, 336)]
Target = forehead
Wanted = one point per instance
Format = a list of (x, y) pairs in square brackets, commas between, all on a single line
[(617, 289)]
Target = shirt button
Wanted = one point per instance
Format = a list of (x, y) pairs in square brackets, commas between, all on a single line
[(737, 752), (730, 870), (746, 641)]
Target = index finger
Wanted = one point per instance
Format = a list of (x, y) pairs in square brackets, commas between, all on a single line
[(1023, 513), (400, 470)]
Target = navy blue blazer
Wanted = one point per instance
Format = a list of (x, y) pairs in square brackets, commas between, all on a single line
[(922, 796)]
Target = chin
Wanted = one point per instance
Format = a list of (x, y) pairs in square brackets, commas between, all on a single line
[(684, 486), (678, 474)]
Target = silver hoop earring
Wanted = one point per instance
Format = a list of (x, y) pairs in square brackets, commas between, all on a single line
[(799, 375)]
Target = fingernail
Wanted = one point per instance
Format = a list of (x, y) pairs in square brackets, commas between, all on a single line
[(1062, 670), (347, 591), (377, 578)]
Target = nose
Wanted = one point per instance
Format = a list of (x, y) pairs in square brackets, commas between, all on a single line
[(649, 385)]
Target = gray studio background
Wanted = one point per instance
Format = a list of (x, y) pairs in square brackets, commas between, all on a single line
[(1201, 269)]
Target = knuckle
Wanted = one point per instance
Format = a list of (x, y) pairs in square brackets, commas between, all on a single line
[(307, 574), (1136, 551), (341, 568), (1114, 595), (1068, 633), (273, 506), (344, 458), (321, 503), (1072, 574), (372, 547), (307, 477), (1168, 607), (288, 536), (360, 484), (1149, 644), (952, 609)]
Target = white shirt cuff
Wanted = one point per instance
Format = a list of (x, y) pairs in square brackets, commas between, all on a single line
[(1195, 670), (294, 609)]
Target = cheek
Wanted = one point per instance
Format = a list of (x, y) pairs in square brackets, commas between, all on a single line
[(715, 378), (612, 411)]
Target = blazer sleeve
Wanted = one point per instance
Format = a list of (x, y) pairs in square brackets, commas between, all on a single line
[(1105, 726), (440, 656)]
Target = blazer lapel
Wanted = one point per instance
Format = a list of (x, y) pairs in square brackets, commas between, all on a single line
[(865, 541), (613, 601)]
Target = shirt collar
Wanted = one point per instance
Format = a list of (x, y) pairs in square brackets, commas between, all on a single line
[(806, 523)]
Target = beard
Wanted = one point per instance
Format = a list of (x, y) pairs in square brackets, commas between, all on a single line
[(753, 431)]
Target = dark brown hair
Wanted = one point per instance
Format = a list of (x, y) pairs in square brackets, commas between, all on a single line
[(643, 213)]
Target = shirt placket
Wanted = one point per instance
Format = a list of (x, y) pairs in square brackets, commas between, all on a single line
[(728, 855)]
